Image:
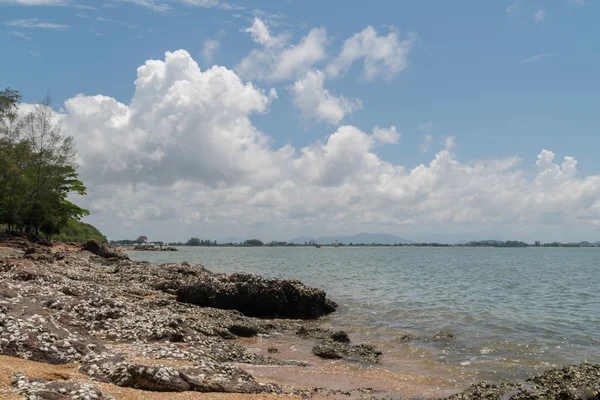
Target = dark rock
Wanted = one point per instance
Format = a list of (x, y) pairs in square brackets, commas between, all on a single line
[(313, 333), (328, 350), (443, 335), (30, 250), (243, 330), (258, 297), (273, 350), (340, 336), (574, 382), (336, 350), (103, 250)]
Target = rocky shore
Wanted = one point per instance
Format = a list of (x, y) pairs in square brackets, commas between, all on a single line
[(130, 329)]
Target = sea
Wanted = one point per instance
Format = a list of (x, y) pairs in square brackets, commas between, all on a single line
[(514, 311)]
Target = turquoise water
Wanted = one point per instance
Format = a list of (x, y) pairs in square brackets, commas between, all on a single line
[(513, 311)]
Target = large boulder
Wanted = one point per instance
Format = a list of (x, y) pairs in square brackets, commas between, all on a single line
[(102, 249), (256, 296)]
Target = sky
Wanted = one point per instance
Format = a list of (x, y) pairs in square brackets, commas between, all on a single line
[(430, 120)]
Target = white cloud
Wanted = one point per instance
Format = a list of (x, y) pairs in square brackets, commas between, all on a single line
[(153, 5), (260, 33), (539, 15), (536, 57), (183, 158), (426, 144), (36, 23), (117, 22), (315, 102), (35, 2), (277, 59), (209, 47), (19, 34), (389, 135), (384, 56), (514, 7)]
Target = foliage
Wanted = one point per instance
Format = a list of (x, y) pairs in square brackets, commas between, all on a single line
[(37, 170), (193, 242), (76, 231), (253, 242), (200, 242)]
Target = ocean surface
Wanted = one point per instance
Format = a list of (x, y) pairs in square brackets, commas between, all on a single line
[(514, 312)]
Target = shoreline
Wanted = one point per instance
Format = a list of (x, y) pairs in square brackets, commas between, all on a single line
[(128, 313)]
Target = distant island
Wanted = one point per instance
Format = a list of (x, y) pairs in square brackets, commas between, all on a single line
[(360, 240)]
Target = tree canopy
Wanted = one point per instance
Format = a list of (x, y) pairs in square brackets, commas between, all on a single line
[(37, 169)]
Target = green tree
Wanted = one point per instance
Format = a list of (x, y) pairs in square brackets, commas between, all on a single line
[(253, 242), (193, 242), (37, 169)]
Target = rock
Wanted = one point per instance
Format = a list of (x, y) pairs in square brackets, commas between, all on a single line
[(272, 350), (332, 349), (340, 337), (329, 351), (112, 368), (313, 333), (258, 297), (408, 337), (30, 250), (574, 382), (243, 330), (443, 335), (103, 250), (56, 390)]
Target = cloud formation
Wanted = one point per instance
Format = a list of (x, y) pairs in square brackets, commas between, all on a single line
[(277, 59), (183, 158), (36, 23), (317, 103), (384, 56)]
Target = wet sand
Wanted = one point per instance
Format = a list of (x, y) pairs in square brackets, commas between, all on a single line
[(341, 375)]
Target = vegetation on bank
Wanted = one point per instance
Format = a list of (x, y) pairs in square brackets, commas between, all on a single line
[(77, 231), (37, 170)]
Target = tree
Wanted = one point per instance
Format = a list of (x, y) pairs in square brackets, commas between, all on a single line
[(37, 169), (193, 242), (253, 242)]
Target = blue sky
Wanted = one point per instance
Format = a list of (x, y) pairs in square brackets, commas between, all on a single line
[(502, 79)]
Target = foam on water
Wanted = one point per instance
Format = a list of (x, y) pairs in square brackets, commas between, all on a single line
[(514, 311)]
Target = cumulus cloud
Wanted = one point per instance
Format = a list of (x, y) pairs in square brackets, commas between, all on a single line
[(315, 102), (183, 158), (384, 56), (277, 59), (389, 135)]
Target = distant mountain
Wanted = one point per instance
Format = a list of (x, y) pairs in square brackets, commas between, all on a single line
[(366, 238)]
